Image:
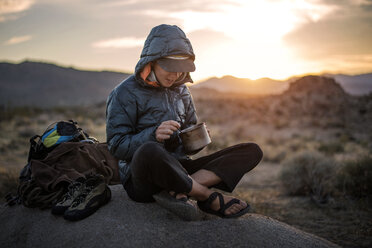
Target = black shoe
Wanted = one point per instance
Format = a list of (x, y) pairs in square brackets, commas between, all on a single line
[(74, 190), (95, 195)]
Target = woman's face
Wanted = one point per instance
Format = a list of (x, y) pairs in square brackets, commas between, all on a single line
[(165, 78)]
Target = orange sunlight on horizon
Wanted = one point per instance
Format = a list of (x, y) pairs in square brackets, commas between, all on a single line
[(258, 50), (246, 39)]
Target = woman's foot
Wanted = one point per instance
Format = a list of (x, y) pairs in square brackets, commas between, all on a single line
[(182, 197), (233, 209), (182, 207), (216, 203), (224, 206)]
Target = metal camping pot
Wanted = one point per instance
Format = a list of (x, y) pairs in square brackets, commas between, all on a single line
[(195, 138)]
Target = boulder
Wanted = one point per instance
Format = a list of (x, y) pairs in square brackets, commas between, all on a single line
[(125, 223)]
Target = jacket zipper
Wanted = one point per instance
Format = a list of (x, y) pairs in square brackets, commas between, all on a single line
[(171, 104)]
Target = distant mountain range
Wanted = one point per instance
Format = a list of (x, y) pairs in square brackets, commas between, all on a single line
[(43, 85), (354, 85), (263, 86)]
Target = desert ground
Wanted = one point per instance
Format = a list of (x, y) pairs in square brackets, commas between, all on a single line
[(321, 207)]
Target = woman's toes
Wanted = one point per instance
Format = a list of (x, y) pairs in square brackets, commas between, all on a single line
[(235, 208)]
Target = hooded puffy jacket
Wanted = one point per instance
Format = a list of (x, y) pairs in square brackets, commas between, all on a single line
[(136, 107)]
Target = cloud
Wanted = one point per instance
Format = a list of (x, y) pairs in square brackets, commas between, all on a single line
[(347, 31), (125, 42), (17, 40), (205, 38), (171, 5), (10, 7)]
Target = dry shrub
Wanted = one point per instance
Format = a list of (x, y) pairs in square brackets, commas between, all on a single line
[(26, 132), (331, 148), (274, 154), (355, 178), (309, 173)]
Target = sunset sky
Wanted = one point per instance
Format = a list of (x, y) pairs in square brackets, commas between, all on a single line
[(247, 39)]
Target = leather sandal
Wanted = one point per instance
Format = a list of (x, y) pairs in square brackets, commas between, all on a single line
[(206, 206)]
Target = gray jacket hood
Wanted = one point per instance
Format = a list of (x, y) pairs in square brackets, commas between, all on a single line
[(135, 108), (164, 40)]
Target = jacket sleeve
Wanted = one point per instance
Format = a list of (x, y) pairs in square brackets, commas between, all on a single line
[(121, 119)]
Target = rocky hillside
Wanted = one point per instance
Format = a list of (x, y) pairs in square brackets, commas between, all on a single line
[(318, 99), (321, 101), (310, 101)]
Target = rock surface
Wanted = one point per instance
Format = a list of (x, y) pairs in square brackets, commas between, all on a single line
[(124, 223)]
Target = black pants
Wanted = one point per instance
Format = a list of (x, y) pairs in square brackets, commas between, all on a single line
[(154, 169)]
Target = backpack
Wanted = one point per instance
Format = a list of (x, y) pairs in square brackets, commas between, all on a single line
[(55, 134), (29, 193)]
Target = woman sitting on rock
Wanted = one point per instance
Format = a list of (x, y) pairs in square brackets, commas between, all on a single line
[(143, 115)]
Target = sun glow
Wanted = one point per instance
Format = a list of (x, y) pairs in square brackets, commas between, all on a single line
[(256, 29), (246, 39)]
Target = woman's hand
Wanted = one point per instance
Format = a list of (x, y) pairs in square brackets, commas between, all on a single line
[(166, 129)]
